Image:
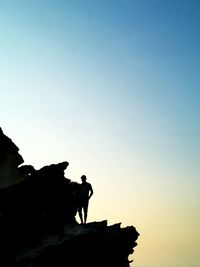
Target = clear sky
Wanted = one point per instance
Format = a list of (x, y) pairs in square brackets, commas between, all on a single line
[(112, 87)]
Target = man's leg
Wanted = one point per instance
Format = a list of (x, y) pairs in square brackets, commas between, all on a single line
[(80, 214), (85, 209)]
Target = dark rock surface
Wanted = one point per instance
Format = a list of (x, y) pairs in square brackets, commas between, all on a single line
[(37, 219)]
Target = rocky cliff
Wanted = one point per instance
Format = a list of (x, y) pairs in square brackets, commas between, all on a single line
[(37, 219)]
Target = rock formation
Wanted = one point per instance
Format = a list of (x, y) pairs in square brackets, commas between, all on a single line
[(37, 219)]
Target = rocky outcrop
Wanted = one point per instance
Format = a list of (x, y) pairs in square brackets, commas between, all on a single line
[(10, 159), (93, 244), (37, 219)]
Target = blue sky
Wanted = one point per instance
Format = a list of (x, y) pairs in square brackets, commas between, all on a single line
[(113, 88)]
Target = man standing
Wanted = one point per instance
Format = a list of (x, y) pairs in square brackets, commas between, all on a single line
[(85, 193)]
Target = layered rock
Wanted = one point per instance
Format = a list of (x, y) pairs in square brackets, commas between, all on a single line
[(93, 244), (37, 219)]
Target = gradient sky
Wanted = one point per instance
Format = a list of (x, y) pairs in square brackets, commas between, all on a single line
[(112, 87)]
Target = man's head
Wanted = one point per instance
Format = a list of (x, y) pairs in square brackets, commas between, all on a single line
[(83, 178)]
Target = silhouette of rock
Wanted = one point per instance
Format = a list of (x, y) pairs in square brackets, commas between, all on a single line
[(37, 219), (10, 159)]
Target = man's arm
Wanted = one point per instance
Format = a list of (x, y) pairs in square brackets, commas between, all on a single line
[(91, 191)]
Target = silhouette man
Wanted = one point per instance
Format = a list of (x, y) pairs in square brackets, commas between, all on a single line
[(85, 193)]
